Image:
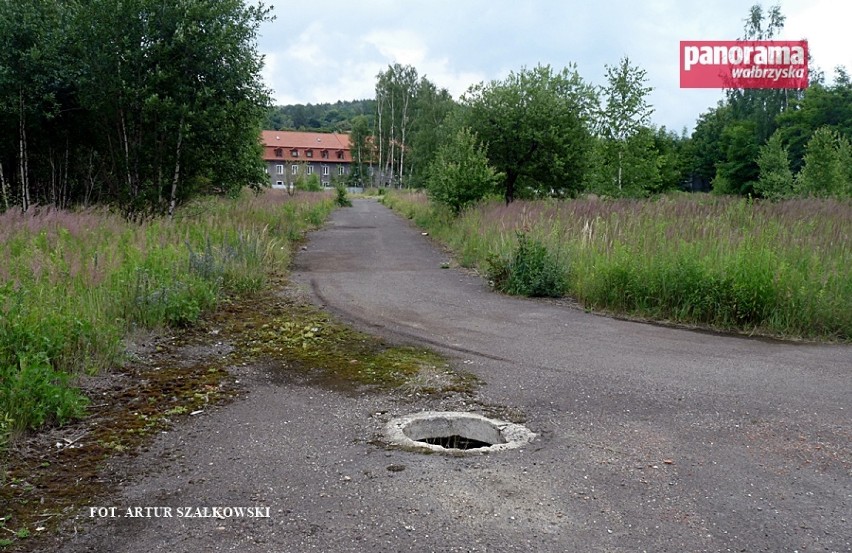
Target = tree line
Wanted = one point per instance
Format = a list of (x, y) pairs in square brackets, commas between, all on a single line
[(802, 149), (544, 131), (136, 103), (539, 132)]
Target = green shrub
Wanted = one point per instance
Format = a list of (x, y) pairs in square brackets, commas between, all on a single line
[(342, 200), (460, 175), (33, 393), (309, 183), (530, 271)]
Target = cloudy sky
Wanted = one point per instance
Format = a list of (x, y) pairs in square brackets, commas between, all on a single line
[(329, 50)]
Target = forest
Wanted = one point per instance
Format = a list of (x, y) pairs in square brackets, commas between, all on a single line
[(138, 104)]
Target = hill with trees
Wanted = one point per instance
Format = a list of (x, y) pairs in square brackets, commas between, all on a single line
[(336, 117)]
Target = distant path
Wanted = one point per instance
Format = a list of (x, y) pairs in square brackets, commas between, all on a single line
[(759, 433)]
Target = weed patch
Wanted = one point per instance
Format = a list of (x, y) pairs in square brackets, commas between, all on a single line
[(305, 340), (531, 270), (36, 393)]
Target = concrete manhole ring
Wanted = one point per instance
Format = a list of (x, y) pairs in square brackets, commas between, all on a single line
[(453, 432)]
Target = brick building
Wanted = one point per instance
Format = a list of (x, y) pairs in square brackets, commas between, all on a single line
[(289, 154)]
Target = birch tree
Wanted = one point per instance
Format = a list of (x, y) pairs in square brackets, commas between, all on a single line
[(626, 110), (396, 88), (360, 143)]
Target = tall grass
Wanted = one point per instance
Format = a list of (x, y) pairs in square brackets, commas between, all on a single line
[(74, 283), (782, 268)]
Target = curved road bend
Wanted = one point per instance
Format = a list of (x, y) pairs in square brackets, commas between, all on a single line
[(664, 439)]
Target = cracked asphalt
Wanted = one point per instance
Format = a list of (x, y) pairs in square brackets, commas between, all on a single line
[(650, 438)]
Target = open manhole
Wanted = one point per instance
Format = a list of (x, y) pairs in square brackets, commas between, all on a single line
[(454, 432)]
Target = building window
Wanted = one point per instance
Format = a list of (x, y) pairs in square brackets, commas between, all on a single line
[(294, 152), (294, 169), (279, 152), (340, 154), (309, 153), (310, 169), (325, 170), (279, 183), (341, 170), (279, 169), (324, 154)]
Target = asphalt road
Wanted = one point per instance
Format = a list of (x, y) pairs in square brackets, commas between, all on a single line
[(650, 438)]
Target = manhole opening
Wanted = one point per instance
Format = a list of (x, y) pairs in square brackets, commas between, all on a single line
[(455, 442), (455, 432)]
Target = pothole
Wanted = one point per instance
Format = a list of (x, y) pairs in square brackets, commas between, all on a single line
[(455, 432)]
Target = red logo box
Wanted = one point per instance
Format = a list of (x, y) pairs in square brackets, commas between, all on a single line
[(744, 64)]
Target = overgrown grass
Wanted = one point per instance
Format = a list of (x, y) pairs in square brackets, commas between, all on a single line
[(531, 270), (782, 269), (73, 284)]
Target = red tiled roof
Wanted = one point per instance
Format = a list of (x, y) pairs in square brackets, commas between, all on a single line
[(317, 142)]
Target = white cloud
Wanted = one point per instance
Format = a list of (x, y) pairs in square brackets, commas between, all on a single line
[(829, 40), (398, 46), (315, 70), (309, 48)]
